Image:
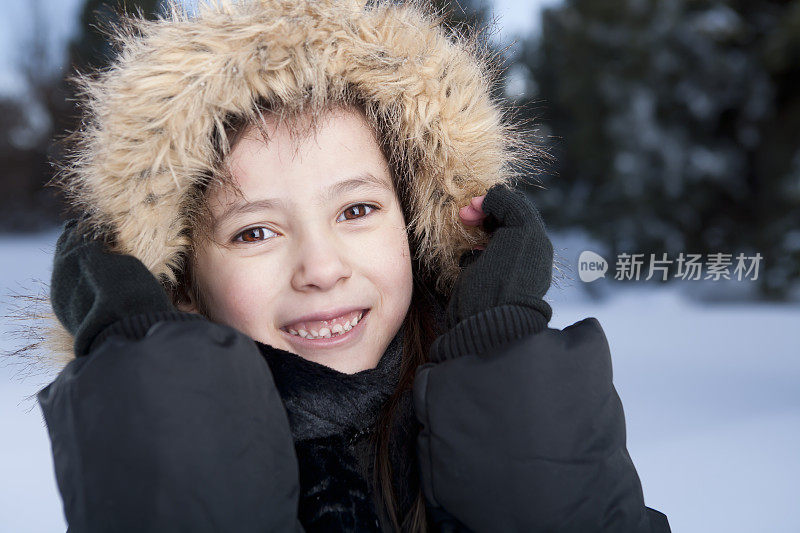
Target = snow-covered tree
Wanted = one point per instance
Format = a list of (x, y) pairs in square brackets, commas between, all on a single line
[(675, 125)]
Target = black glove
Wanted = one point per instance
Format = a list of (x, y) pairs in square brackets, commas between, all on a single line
[(499, 295), (91, 289)]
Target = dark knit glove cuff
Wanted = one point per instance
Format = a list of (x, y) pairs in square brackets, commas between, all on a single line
[(135, 327), (487, 330)]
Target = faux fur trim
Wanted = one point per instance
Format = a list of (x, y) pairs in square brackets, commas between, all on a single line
[(152, 118)]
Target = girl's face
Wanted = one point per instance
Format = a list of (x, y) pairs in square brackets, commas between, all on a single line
[(318, 239)]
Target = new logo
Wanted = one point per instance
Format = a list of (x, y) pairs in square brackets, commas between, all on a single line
[(591, 266)]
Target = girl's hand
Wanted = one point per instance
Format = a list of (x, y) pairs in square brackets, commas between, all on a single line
[(92, 288), (473, 215), (515, 267)]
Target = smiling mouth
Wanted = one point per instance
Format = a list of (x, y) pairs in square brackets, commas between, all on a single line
[(326, 329)]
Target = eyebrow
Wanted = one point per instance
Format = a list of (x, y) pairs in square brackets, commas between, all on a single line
[(339, 188)]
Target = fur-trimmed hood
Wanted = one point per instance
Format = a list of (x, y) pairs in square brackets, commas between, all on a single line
[(152, 120)]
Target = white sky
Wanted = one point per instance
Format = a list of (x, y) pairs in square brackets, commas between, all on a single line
[(16, 25), (519, 16)]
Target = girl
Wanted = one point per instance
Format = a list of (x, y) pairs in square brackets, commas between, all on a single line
[(301, 293)]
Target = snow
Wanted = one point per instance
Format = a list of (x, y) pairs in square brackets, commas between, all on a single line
[(710, 394), (711, 400), (29, 499)]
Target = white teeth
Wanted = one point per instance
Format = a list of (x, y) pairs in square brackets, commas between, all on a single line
[(327, 333)]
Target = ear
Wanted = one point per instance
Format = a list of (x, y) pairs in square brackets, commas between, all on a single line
[(186, 303), (187, 307)]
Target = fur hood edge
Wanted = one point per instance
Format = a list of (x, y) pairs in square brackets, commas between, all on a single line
[(151, 120)]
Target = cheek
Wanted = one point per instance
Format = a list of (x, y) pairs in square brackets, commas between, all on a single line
[(237, 291), (389, 263)]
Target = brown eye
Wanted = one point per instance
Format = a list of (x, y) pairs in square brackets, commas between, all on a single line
[(252, 235), (358, 211)]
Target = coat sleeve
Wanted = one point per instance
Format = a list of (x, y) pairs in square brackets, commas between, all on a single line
[(530, 437), (179, 430)]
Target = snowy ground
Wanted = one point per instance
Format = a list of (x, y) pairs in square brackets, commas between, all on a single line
[(711, 397)]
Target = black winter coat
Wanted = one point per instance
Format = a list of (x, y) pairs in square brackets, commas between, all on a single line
[(176, 423)]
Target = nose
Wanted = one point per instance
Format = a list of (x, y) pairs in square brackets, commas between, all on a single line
[(321, 262)]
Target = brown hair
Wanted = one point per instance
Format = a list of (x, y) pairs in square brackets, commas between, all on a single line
[(420, 323)]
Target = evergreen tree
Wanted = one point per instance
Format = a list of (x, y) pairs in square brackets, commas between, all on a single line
[(675, 126)]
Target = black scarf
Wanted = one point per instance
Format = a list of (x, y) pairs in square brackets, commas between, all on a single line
[(321, 401), (332, 416)]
